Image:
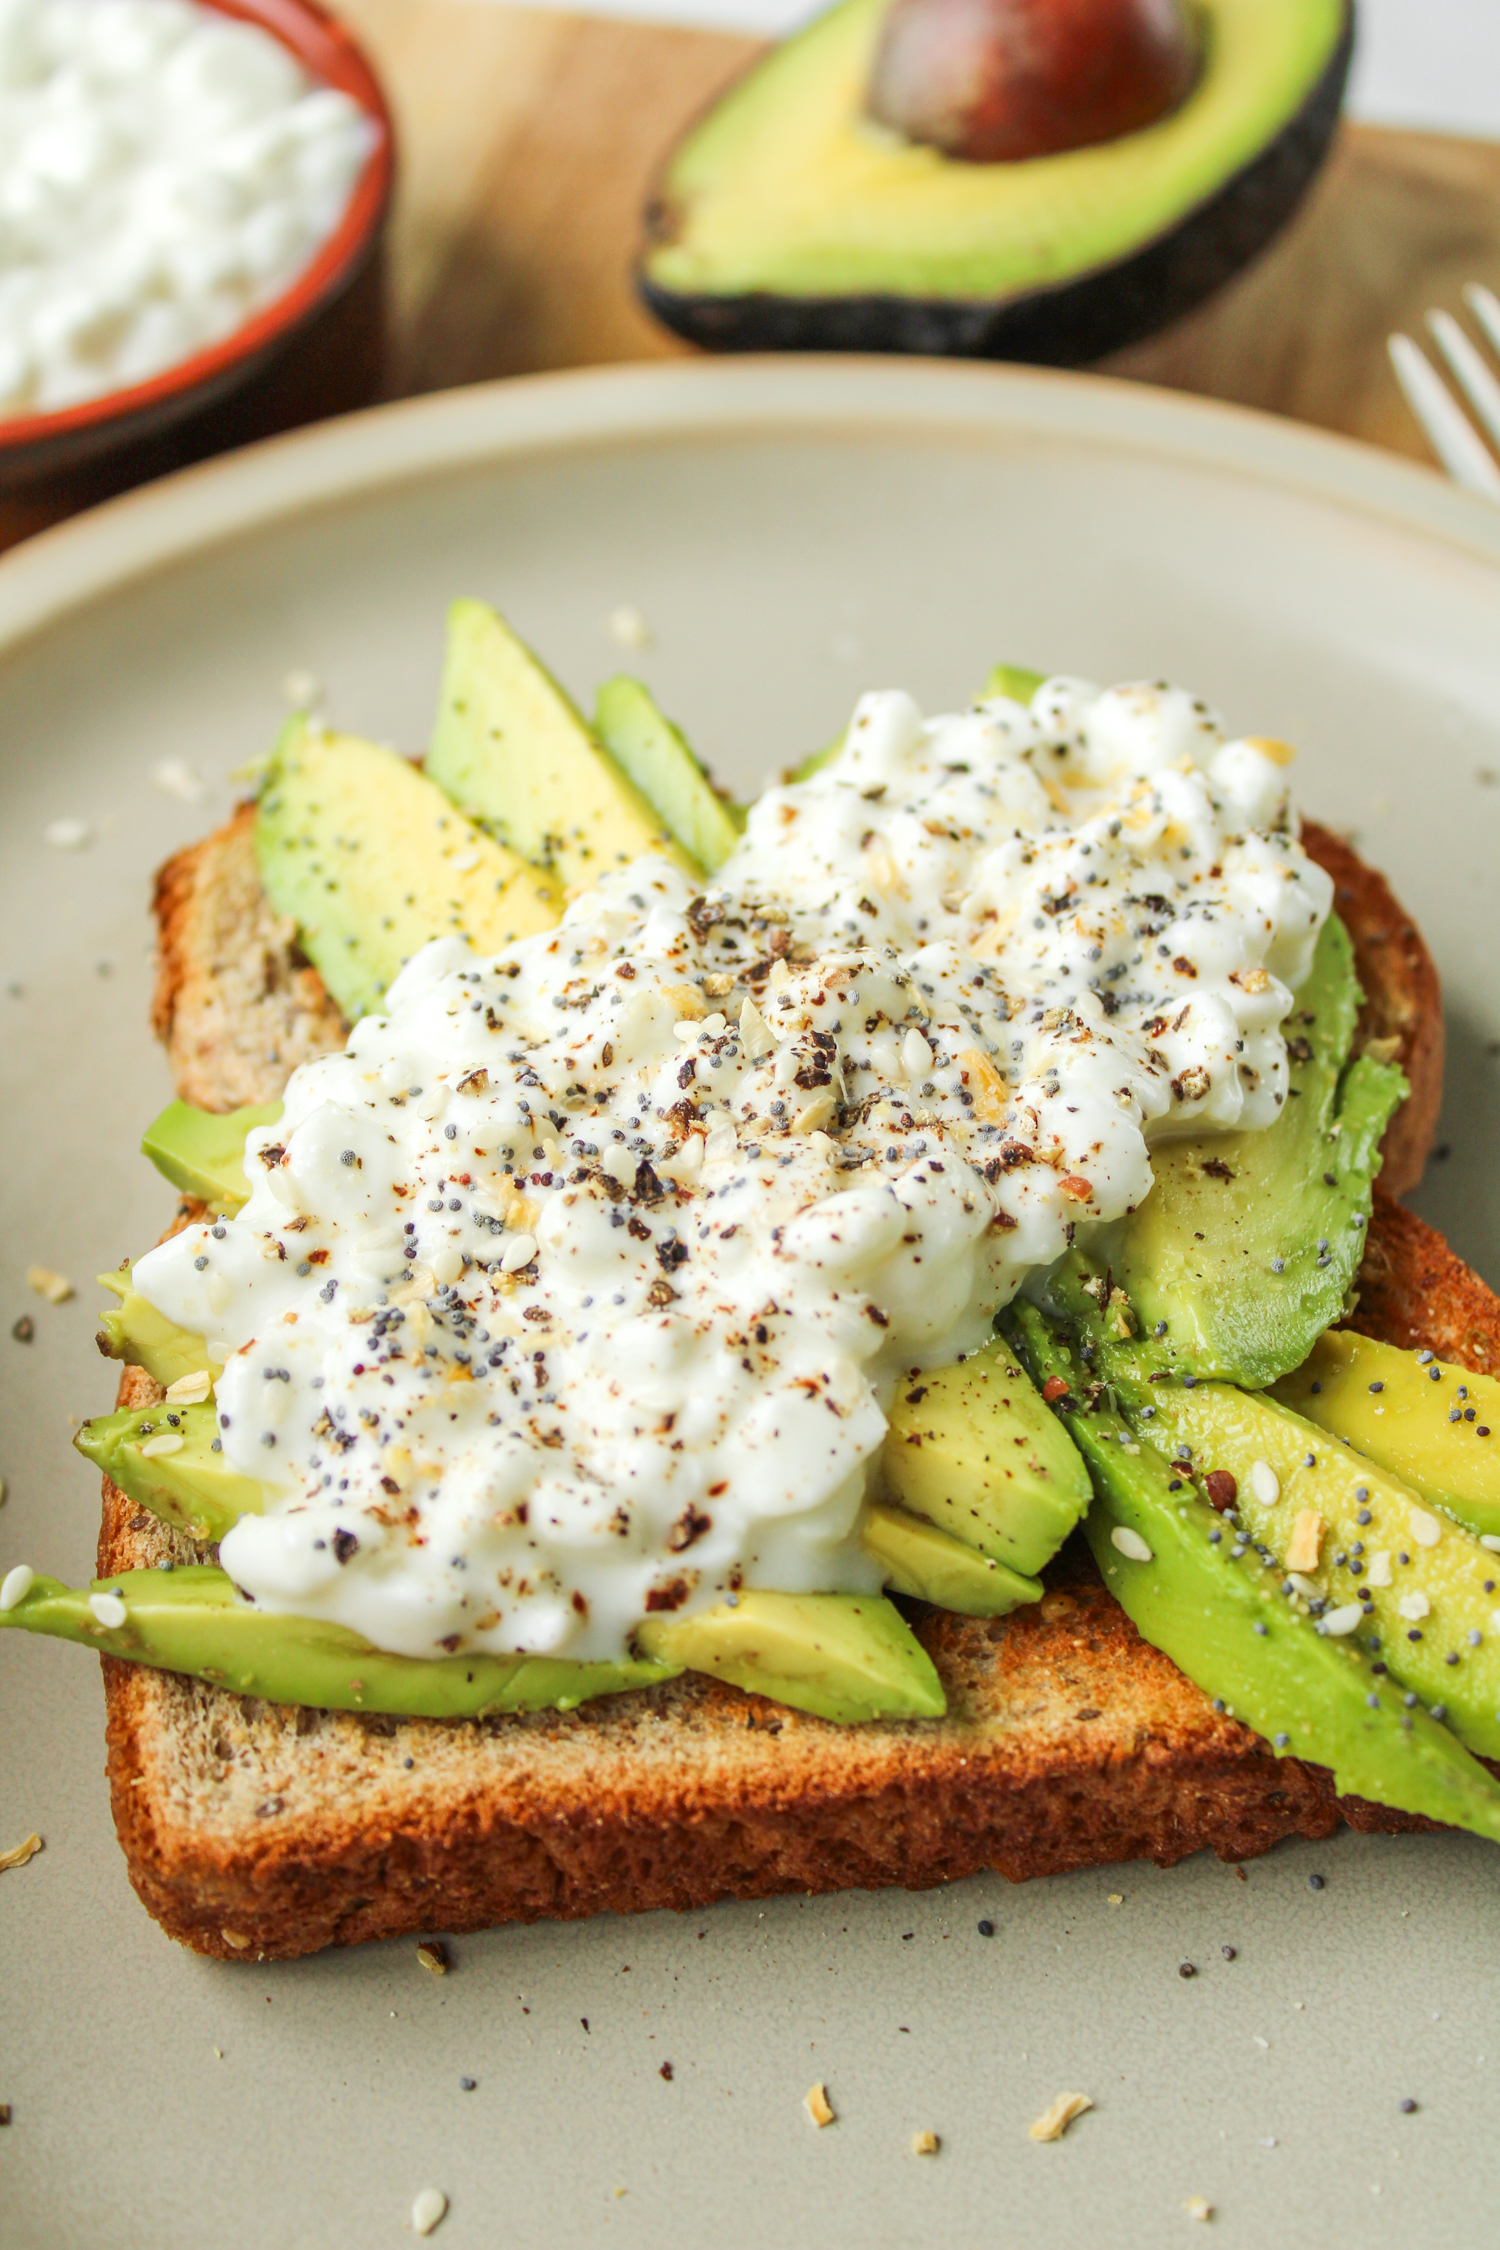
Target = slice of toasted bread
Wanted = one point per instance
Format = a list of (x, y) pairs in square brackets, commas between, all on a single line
[(254, 1830)]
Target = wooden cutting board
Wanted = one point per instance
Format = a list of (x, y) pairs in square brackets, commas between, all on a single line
[(528, 139)]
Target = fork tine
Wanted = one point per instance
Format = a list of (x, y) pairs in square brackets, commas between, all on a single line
[(1453, 437), (1480, 387), (1485, 306)]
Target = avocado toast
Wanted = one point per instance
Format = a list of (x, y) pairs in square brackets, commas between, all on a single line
[(253, 1827)]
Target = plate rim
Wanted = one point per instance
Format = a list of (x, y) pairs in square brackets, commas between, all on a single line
[(310, 471)]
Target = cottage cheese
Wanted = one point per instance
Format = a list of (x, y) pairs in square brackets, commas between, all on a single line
[(165, 171), (578, 1284)]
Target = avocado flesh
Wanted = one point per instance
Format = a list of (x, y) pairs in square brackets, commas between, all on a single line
[(204, 1154), (1399, 1415), (972, 1449), (1198, 1253), (1226, 1624), (192, 1620), (787, 196), (371, 861), (928, 1565), (657, 759), (512, 751), (1446, 1578), (191, 1486), (845, 1657), (137, 1333), (1011, 680)]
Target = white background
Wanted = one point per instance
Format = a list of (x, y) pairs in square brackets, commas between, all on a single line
[(1428, 63)]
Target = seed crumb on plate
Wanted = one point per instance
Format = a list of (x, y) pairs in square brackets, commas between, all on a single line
[(434, 1956), (428, 2210), (67, 835), (1054, 2122), (1199, 2207), (174, 777), (55, 1287), (819, 2108), (628, 628), (18, 1854)]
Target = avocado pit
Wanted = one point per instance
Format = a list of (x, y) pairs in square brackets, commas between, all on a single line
[(1000, 81)]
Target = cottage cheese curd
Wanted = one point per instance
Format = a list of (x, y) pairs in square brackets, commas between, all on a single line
[(165, 171), (576, 1286)]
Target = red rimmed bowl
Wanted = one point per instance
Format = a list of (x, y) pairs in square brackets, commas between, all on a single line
[(316, 349)]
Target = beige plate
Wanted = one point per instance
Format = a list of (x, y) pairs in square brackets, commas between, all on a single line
[(792, 531)]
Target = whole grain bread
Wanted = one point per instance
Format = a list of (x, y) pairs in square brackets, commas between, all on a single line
[(253, 1830)]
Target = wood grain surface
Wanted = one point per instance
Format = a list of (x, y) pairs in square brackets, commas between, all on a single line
[(527, 141)]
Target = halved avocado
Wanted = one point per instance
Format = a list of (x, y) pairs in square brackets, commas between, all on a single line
[(788, 220)]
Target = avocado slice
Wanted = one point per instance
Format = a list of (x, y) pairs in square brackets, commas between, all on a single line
[(787, 219), (1248, 1244), (371, 861), (167, 1458), (841, 1656), (972, 1449), (1206, 1602), (929, 1565), (1377, 1557), (1012, 680), (136, 1332), (1432, 1424), (658, 759), (203, 1154), (193, 1620), (512, 750)]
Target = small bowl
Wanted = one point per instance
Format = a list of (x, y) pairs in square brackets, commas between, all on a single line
[(317, 349)]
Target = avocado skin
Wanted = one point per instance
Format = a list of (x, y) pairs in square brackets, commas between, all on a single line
[(1068, 326), (191, 1620), (1227, 1625)]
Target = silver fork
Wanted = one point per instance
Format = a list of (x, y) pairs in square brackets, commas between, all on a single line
[(1452, 436)]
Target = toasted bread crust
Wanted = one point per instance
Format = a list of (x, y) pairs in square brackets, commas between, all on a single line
[(236, 1005), (1403, 1000), (253, 1830)]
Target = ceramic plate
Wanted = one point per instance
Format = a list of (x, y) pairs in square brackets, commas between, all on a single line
[(792, 532)]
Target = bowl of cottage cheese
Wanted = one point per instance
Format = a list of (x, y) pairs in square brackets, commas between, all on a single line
[(192, 192)]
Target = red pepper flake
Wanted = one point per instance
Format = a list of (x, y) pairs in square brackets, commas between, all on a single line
[(1055, 1387), (1220, 1489), (1073, 1184)]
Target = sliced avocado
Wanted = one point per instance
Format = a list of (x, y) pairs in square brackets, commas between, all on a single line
[(193, 1620), (973, 1449), (1378, 1559), (203, 1154), (841, 1656), (929, 1565), (513, 752), (143, 1337), (184, 1477), (1248, 1243), (371, 861), (658, 759), (1011, 680), (1208, 1605), (788, 219), (1433, 1424)]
